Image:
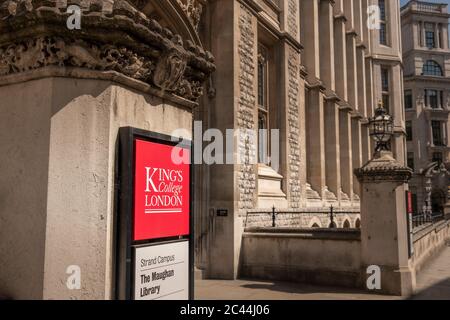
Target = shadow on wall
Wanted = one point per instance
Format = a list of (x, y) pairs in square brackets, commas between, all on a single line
[(438, 291)]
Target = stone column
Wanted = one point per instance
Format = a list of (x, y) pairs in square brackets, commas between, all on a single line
[(326, 34), (332, 149), (361, 76), (366, 142), (290, 135), (422, 34), (357, 153), (63, 104), (345, 140), (316, 140), (436, 35), (340, 56), (384, 236), (445, 37), (352, 77)]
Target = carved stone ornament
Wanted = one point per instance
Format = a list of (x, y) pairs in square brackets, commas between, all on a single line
[(383, 168), (33, 35), (169, 71)]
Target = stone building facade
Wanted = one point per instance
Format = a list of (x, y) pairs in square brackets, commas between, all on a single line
[(314, 70), (311, 69), (426, 55)]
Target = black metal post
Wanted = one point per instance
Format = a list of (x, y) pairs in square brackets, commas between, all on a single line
[(332, 217), (273, 217)]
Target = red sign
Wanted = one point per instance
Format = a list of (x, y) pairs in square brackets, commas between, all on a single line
[(410, 204), (161, 191)]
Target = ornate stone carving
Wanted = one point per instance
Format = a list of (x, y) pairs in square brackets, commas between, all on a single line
[(169, 71), (45, 51), (193, 9), (121, 39), (383, 168)]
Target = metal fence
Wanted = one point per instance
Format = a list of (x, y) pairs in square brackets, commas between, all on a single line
[(274, 214), (422, 219)]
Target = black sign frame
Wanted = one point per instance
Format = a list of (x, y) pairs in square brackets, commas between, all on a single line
[(124, 209)]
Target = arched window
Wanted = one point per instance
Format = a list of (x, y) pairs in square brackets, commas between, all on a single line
[(347, 224), (315, 226), (358, 224), (432, 68)]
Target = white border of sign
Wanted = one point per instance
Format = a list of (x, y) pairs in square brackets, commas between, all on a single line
[(161, 271)]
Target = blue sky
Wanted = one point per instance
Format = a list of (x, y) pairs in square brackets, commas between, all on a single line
[(436, 1)]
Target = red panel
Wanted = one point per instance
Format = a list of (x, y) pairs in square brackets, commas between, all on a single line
[(161, 191)]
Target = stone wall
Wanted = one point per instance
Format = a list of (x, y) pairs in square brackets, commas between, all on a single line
[(309, 256), (294, 128), (428, 242), (246, 109), (292, 17)]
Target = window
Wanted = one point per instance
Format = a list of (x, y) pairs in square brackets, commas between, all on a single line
[(437, 133), (431, 97), (383, 23), (408, 100), (263, 105), (430, 39), (409, 131), (385, 88), (432, 68), (437, 157), (411, 160)]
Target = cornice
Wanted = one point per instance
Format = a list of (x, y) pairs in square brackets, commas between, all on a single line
[(122, 40)]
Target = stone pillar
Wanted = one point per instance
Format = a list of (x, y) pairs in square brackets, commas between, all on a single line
[(352, 76), (366, 142), (384, 236), (332, 150), (422, 34), (345, 140), (316, 140), (326, 33), (340, 56), (361, 76), (357, 153), (436, 35), (290, 127), (63, 104)]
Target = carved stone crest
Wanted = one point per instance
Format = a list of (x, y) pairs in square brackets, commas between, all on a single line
[(169, 71)]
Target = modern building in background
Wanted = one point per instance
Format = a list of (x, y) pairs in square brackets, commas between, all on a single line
[(426, 55)]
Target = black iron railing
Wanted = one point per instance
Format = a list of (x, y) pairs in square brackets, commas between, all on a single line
[(274, 213), (422, 219)]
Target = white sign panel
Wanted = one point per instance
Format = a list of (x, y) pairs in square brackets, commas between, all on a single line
[(162, 272)]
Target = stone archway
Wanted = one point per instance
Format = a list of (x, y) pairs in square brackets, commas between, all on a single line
[(346, 224)]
